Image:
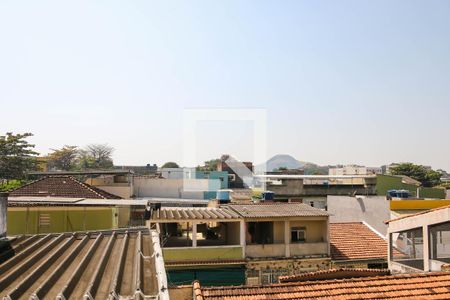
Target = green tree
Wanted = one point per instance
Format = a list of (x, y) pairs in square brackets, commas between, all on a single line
[(170, 164), (96, 156), (210, 165), (17, 156), (426, 176), (63, 159), (11, 185)]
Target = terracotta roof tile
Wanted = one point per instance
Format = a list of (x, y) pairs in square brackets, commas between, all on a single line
[(334, 274), (61, 186), (405, 286), (350, 241)]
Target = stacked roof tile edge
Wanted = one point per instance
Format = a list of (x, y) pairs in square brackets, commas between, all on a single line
[(61, 186), (333, 274), (405, 286)]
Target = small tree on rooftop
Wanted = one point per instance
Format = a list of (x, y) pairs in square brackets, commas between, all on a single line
[(420, 173), (210, 165), (170, 164)]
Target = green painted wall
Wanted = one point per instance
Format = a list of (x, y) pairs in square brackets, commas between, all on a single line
[(387, 182), (61, 219), (432, 193), (208, 277)]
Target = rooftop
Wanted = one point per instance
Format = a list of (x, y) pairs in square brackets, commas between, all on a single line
[(194, 213), (334, 274), (61, 186), (419, 213), (277, 210), (62, 201), (355, 240), (406, 286), (86, 172), (72, 265), (238, 211)]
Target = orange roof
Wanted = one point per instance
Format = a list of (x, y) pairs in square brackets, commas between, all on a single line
[(61, 186), (405, 286), (334, 274), (354, 240)]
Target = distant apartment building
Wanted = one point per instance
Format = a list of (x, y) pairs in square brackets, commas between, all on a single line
[(237, 171), (348, 170)]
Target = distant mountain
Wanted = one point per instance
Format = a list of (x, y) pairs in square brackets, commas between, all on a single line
[(287, 161), (283, 161)]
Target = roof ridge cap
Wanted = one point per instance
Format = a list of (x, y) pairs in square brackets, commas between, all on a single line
[(87, 186)]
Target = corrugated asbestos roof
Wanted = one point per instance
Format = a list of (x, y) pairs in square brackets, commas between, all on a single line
[(277, 210), (405, 287), (238, 211), (75, 265), (194, 213)]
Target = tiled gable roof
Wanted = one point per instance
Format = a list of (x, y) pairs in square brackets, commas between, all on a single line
[(273, 210), (61, 186), (406, 287), (354, 240)]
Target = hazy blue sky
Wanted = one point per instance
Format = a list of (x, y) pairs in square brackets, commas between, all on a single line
[(363, 82)]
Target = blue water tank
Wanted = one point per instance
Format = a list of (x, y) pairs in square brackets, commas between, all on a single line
[(223, 196), (267, 196)]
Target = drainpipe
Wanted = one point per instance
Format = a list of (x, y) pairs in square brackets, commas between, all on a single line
[(3, 214)]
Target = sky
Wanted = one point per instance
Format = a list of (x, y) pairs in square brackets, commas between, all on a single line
[(364, 82)]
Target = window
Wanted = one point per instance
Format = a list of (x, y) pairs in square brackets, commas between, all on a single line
[(298, 234), (44, 220)]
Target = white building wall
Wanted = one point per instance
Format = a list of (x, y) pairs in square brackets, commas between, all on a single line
[(373, 210), (169, 188)]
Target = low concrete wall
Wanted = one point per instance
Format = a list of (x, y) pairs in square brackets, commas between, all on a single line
[(268, 250), (373, 210), (202, 253), (304, 249)]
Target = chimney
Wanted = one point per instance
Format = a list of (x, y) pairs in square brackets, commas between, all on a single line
[(3, 213)]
